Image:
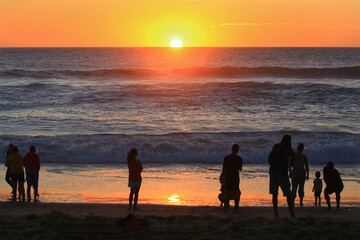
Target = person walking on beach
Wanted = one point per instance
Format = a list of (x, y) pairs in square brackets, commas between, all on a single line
[(7, 175), (279, 162), (32, 166), (334, 184), (317, 188), (232, 165), (135, 168), (16, 170), (298, 173)]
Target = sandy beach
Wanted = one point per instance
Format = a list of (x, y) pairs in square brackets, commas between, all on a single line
[(23, 220)]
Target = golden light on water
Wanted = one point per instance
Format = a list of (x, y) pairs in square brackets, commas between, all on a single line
[(175, 200)]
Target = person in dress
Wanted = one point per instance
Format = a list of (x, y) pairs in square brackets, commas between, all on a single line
[(135, 179)]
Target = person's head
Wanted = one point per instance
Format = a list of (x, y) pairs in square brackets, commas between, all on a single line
[(317, 174), (11, 146), (32, 149), (330, 165), (15, 149), (131, 154), (235, 148), (286, 140), (300, 147)]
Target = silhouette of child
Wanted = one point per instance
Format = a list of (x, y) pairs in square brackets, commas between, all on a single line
[(317, 188)]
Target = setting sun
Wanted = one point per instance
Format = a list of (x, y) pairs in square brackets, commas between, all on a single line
[(176, 43)]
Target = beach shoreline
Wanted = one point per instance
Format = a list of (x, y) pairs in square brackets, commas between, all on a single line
[(110, 221)]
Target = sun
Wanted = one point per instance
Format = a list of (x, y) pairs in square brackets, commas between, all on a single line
[(176, 43)]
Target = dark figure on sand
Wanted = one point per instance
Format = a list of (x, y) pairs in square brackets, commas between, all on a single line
[(317, 188), (334, 184), (32, 166), (298, 173), (231, 166), (7, 175), (279, 162), (135, 168), (16, 169)]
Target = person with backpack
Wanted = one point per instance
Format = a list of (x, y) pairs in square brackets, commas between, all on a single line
[(279, 164)]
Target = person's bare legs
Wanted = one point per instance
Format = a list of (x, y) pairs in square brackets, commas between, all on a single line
[(327, 198), (275, 204), (28, 192), (237, 199), (290, 202), (131, 195), (226, 199), (319, 200), (338, 197), (22, 190), (35, 193), (14, 187), (137, 189)]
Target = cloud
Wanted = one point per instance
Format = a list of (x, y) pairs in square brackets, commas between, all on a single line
[(247, 24)]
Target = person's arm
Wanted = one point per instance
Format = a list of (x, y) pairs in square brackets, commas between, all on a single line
[(291, 164), (140, 165), (241, 162), (307, 168)]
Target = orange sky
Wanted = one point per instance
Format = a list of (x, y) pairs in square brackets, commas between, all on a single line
[(123, 23)]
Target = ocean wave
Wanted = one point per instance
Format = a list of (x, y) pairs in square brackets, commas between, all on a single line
[(320, 147), (218, 72)]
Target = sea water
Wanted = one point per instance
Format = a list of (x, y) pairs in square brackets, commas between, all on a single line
[(188, 105)]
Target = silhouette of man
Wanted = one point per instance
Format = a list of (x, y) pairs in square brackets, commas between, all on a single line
[(334, 184), (231, 166), (279, 174)]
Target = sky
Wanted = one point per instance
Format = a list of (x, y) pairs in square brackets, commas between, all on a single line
[(197, 23)]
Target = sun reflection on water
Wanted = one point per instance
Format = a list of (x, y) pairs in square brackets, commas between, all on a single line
[(175, 200)]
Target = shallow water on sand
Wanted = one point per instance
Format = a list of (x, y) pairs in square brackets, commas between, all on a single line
[(174, 184)]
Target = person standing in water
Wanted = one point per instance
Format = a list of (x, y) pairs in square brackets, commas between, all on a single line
[(298, 173), (135, 167)]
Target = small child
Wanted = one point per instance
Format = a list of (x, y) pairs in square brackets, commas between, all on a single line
[(317, 188)]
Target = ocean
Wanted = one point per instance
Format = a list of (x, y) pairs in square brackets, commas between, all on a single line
[(188, 105)]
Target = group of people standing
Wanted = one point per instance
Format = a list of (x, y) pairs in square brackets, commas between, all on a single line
[(285, 164), (15, 172)]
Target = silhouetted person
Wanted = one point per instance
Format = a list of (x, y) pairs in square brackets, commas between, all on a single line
[(279, 162), (7, 175), (135, 168), (231, 166), (317, 188), (32, 166), (16, 170), (334, 184), (298, 173)]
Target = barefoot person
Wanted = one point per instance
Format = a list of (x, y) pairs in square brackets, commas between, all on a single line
[(317, 189), (231, 166), (279, 162), (298, 173), (334, 184), (16, 169), (32, 166), (135, 168)]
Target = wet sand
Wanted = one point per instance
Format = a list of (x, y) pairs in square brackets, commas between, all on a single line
[(22, 220)]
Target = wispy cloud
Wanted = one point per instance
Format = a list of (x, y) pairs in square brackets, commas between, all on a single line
[(244, 24)]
